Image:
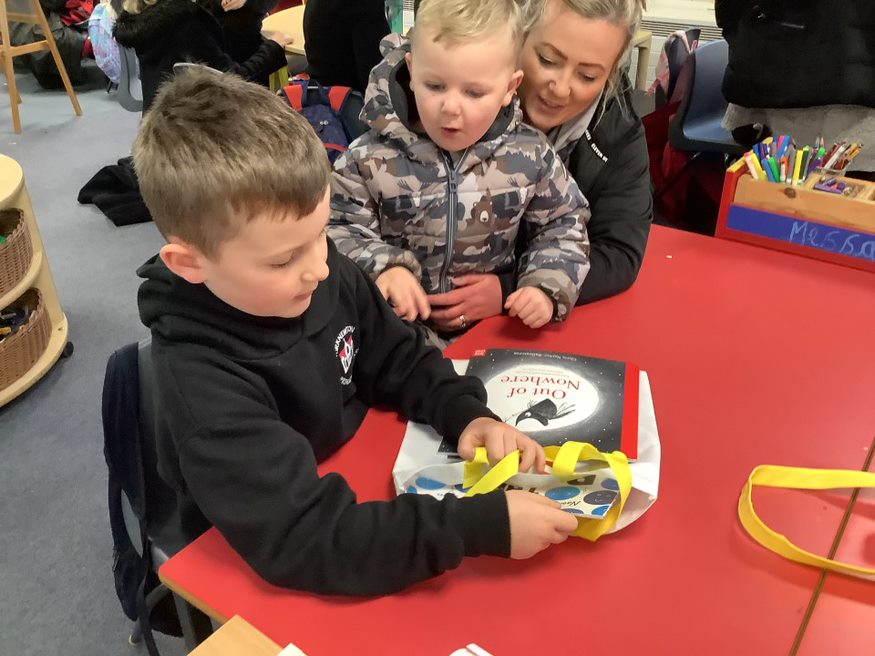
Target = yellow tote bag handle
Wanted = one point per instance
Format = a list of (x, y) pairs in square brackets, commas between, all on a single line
[(480, 479), (800, 479)]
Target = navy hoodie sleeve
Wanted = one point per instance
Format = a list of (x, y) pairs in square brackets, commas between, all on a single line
[(395, 367), (255, 479), (269, 57)]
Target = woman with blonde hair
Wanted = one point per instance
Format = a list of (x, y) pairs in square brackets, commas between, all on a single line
[(575, 91)]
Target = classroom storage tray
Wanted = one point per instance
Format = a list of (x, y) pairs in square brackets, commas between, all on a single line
[(800, 219), (16, 253), (20, 351)]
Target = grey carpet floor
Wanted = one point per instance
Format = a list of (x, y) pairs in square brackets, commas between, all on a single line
[(56, 586)]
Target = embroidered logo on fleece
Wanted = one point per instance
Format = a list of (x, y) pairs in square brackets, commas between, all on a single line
[(345, 350), (595, 148)]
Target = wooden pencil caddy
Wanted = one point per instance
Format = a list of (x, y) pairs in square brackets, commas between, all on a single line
[(806, 202), (801, 219)]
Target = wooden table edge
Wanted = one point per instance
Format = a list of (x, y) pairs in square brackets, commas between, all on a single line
[(190, 598), (834, 547)]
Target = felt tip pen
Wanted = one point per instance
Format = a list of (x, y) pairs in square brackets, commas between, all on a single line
[(797, 168), (768, 169), (775, 169)]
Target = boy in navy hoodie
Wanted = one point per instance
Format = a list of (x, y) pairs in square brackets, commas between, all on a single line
[(269, 347)]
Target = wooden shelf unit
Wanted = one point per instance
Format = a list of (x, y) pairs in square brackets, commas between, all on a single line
[(13, 194)]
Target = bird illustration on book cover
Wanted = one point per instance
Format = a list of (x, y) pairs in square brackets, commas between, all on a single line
[(555, 397)]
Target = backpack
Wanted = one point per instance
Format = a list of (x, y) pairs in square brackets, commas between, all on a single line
[(128, 462), (332, 111), (106, 50)]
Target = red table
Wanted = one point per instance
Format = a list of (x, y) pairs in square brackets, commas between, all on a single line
[(754, 357)]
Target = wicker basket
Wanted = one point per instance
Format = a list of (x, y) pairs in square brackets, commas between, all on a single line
[(16, 253), (19, 352)]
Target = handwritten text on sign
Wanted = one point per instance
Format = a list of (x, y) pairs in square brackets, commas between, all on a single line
[(860, 245)]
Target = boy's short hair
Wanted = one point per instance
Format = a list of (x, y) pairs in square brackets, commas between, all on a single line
[(461, 21), (214, 151)]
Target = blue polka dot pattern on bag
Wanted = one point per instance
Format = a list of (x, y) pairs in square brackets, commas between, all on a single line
[(428, 483), (599, 497), (562, 493)]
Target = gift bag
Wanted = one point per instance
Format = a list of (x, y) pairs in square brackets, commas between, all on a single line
[(605, 491)]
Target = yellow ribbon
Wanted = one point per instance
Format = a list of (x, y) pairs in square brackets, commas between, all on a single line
[(481, 479), (800, 479)]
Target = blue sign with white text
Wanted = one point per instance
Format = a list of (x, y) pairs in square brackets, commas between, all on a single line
[(802, 232)]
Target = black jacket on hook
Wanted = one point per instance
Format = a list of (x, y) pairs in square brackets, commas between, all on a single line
[(799, 53)]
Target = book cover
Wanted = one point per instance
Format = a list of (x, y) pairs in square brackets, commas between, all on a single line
[(555, 397)]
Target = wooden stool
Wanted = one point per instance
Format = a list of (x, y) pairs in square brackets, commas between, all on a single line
[(8, 52)]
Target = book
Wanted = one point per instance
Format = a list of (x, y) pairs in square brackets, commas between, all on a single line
[(556, 397)]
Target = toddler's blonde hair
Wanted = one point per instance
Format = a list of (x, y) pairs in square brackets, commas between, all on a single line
[(454, 22)]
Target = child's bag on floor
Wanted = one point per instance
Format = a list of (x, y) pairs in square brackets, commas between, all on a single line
[(333, 112), (106, 50)]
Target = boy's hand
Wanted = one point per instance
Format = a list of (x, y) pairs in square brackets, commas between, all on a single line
[(536, 522), (231, 5), (401, 288), (501, 439), (531, 305), (477, 296)]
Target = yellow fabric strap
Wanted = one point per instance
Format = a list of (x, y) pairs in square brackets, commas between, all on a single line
[(480, 479), (279, 79), (800, 479)]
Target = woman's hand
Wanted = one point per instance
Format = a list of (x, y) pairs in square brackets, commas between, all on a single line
[(477, 296)]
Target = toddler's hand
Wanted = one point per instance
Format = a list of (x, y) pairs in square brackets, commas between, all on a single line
[(401, 288), (536, 522), (531, 305), (231, 5), (501, 439)]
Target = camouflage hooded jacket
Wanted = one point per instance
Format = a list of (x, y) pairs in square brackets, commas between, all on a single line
[(399, 200)]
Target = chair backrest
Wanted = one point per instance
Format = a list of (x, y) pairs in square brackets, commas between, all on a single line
[(678, 53), (675, 52), (697, 123), (130, 90)]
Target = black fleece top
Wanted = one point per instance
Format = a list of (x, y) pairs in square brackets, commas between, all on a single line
[(612, 168), (248, 405), (343, 40), (175, 31), (798, 53)]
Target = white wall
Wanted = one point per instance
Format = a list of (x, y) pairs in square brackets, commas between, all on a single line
[(699, 11)]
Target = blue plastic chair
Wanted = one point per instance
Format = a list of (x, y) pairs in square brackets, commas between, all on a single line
[(697, 125)]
